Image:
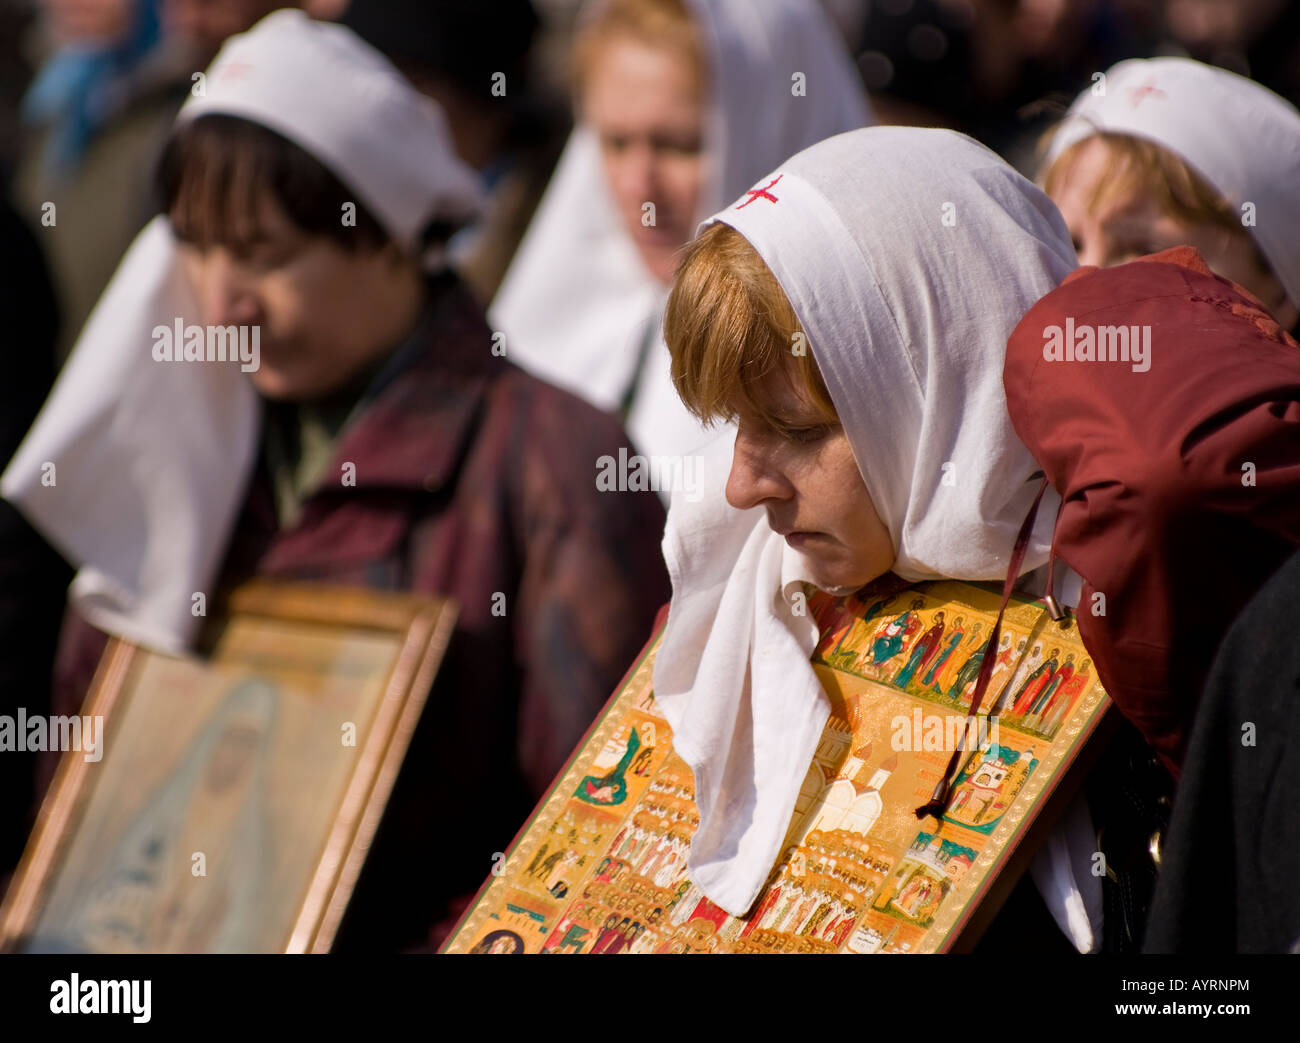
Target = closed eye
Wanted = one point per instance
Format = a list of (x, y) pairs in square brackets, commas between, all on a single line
[(806, 435)]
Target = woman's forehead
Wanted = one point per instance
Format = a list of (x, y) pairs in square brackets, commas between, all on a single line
[(238, 217), (776, 394)]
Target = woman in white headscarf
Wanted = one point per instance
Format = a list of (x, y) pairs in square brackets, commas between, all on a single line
[(136, 467), (1164, 152), (369, 437), (887, 446), (681, 105)]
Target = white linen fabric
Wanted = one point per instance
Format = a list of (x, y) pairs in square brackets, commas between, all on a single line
[(577, 304), (1062, 872), (908, 257), (1063, 868), (135, 468), (1243, 139)]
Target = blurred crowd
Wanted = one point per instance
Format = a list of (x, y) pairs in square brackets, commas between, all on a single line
[(562, 119), (88, 88)]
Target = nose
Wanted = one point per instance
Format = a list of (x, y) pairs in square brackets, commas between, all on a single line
[(225, 296), (1095, 246), (638, 176), (755, 477), (1092, 251)]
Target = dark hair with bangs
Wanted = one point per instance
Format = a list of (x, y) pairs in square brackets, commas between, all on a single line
[(215, 169), (728, 324)]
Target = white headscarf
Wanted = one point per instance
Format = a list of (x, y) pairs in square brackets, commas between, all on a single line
[(908, 257), (135, 469), (1240, 137), (577, 303)]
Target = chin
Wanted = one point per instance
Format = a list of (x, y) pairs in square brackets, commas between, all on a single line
[(277, 386), (842, 579), (660, 260), (662, 268)]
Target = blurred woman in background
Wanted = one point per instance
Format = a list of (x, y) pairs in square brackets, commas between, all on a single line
[(1168, 152), (681, 104), (371, 439)]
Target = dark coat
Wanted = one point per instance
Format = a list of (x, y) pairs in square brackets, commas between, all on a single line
[(1232, 855), (473, 479)]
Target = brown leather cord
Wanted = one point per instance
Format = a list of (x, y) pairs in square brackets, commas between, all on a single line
[(938, 803), (1054, 609)]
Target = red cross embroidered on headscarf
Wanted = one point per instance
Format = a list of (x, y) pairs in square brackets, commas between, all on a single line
[(761, 193), (1136, 94)]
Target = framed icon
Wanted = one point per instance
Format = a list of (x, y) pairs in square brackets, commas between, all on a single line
[(237, 790)]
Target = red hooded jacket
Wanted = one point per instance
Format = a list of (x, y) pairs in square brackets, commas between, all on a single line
[(1180, 483)]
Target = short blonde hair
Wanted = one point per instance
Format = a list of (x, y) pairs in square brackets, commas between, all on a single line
[(1142, 165), (663, 24), (728, 324)]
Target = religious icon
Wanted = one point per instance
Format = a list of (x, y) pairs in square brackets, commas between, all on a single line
[(499, 943), (234, 794), (603, 867), (611, 788), (891, 637), (143, 898)]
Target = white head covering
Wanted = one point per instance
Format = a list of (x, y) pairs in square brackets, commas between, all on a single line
[(1240, 137), (334, 96), (150, 459), (908, 256), (577, 303)]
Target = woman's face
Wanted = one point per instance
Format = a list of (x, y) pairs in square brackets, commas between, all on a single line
[(646, 107), (323, 313), (1135, 225), (807, 479)]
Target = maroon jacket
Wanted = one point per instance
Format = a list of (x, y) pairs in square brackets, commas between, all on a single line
[(1180, 485), (472, 479)]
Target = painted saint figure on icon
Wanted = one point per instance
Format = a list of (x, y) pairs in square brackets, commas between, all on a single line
[(610, 788), (150, 891)]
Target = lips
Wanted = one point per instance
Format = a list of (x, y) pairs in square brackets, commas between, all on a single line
[(662, 235), (795, 535), (786, 530)]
